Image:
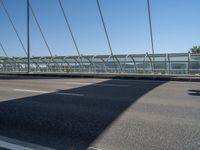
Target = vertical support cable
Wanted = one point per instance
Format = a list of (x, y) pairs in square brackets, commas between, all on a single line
[(151, 31), (11, 22), (69, 27), (28, 36), (104, 26)]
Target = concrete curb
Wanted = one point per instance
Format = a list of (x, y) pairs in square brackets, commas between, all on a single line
[(186, 78)]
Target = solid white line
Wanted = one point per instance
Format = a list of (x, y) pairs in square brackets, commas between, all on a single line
[(50, 92), (99, 84)]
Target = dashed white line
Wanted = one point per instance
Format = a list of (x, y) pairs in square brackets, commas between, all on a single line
[(34, 91), (98, 84), (50, 92), (69, 94), (112, 85)]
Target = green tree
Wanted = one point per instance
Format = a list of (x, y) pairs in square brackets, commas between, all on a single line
[(195, 49)]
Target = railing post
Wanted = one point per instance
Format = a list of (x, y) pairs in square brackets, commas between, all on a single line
[(168, 58), (189, 55), (166, 66), (144, 61), (152, 64), (94, 66)]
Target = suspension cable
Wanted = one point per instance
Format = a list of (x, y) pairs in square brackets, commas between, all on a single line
[(104, 26), (40, 29), (3, 49), (150, 26), (69, 27), (19, 38), (14, 28), (5, 53), (106, 32), (151, 32)]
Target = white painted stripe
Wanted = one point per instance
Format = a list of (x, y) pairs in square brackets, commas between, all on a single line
[(93, 148), (78, 83), (50, 92), (99, 84), (112, 85), (34, 91), (140, 80), (69, 94), (13, 144)]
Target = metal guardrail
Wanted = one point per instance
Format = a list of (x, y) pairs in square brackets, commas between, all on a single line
[(175, 63)]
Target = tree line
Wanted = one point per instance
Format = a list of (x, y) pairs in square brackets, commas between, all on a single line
[(195, 50)]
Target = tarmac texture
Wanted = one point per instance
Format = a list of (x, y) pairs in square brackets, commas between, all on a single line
[(105, 114)]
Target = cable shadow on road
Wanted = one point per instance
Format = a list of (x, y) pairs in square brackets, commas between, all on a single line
[(70, 119)]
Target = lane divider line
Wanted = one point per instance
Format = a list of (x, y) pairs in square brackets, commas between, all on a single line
[(98, 84), (112, 85), (34, 91), (69, 94), (48, 92)]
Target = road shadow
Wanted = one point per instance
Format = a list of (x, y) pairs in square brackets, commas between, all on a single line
[(74, 121), (194, 92)]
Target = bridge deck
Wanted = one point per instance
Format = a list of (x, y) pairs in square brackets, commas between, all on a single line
[(77, 113)]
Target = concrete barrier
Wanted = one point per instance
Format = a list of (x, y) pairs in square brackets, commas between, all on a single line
[(188, 78)]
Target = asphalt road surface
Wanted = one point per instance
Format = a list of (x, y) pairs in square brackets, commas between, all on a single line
[(100, 114)]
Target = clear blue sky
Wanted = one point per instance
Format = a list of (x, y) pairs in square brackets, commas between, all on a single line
[(176, 26)]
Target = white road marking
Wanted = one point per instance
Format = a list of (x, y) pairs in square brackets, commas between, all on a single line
[(12, 144), (112, 85), (69, 94), (99, 84), (50, 92), (34, 91), (140, 80), (93, 148)]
